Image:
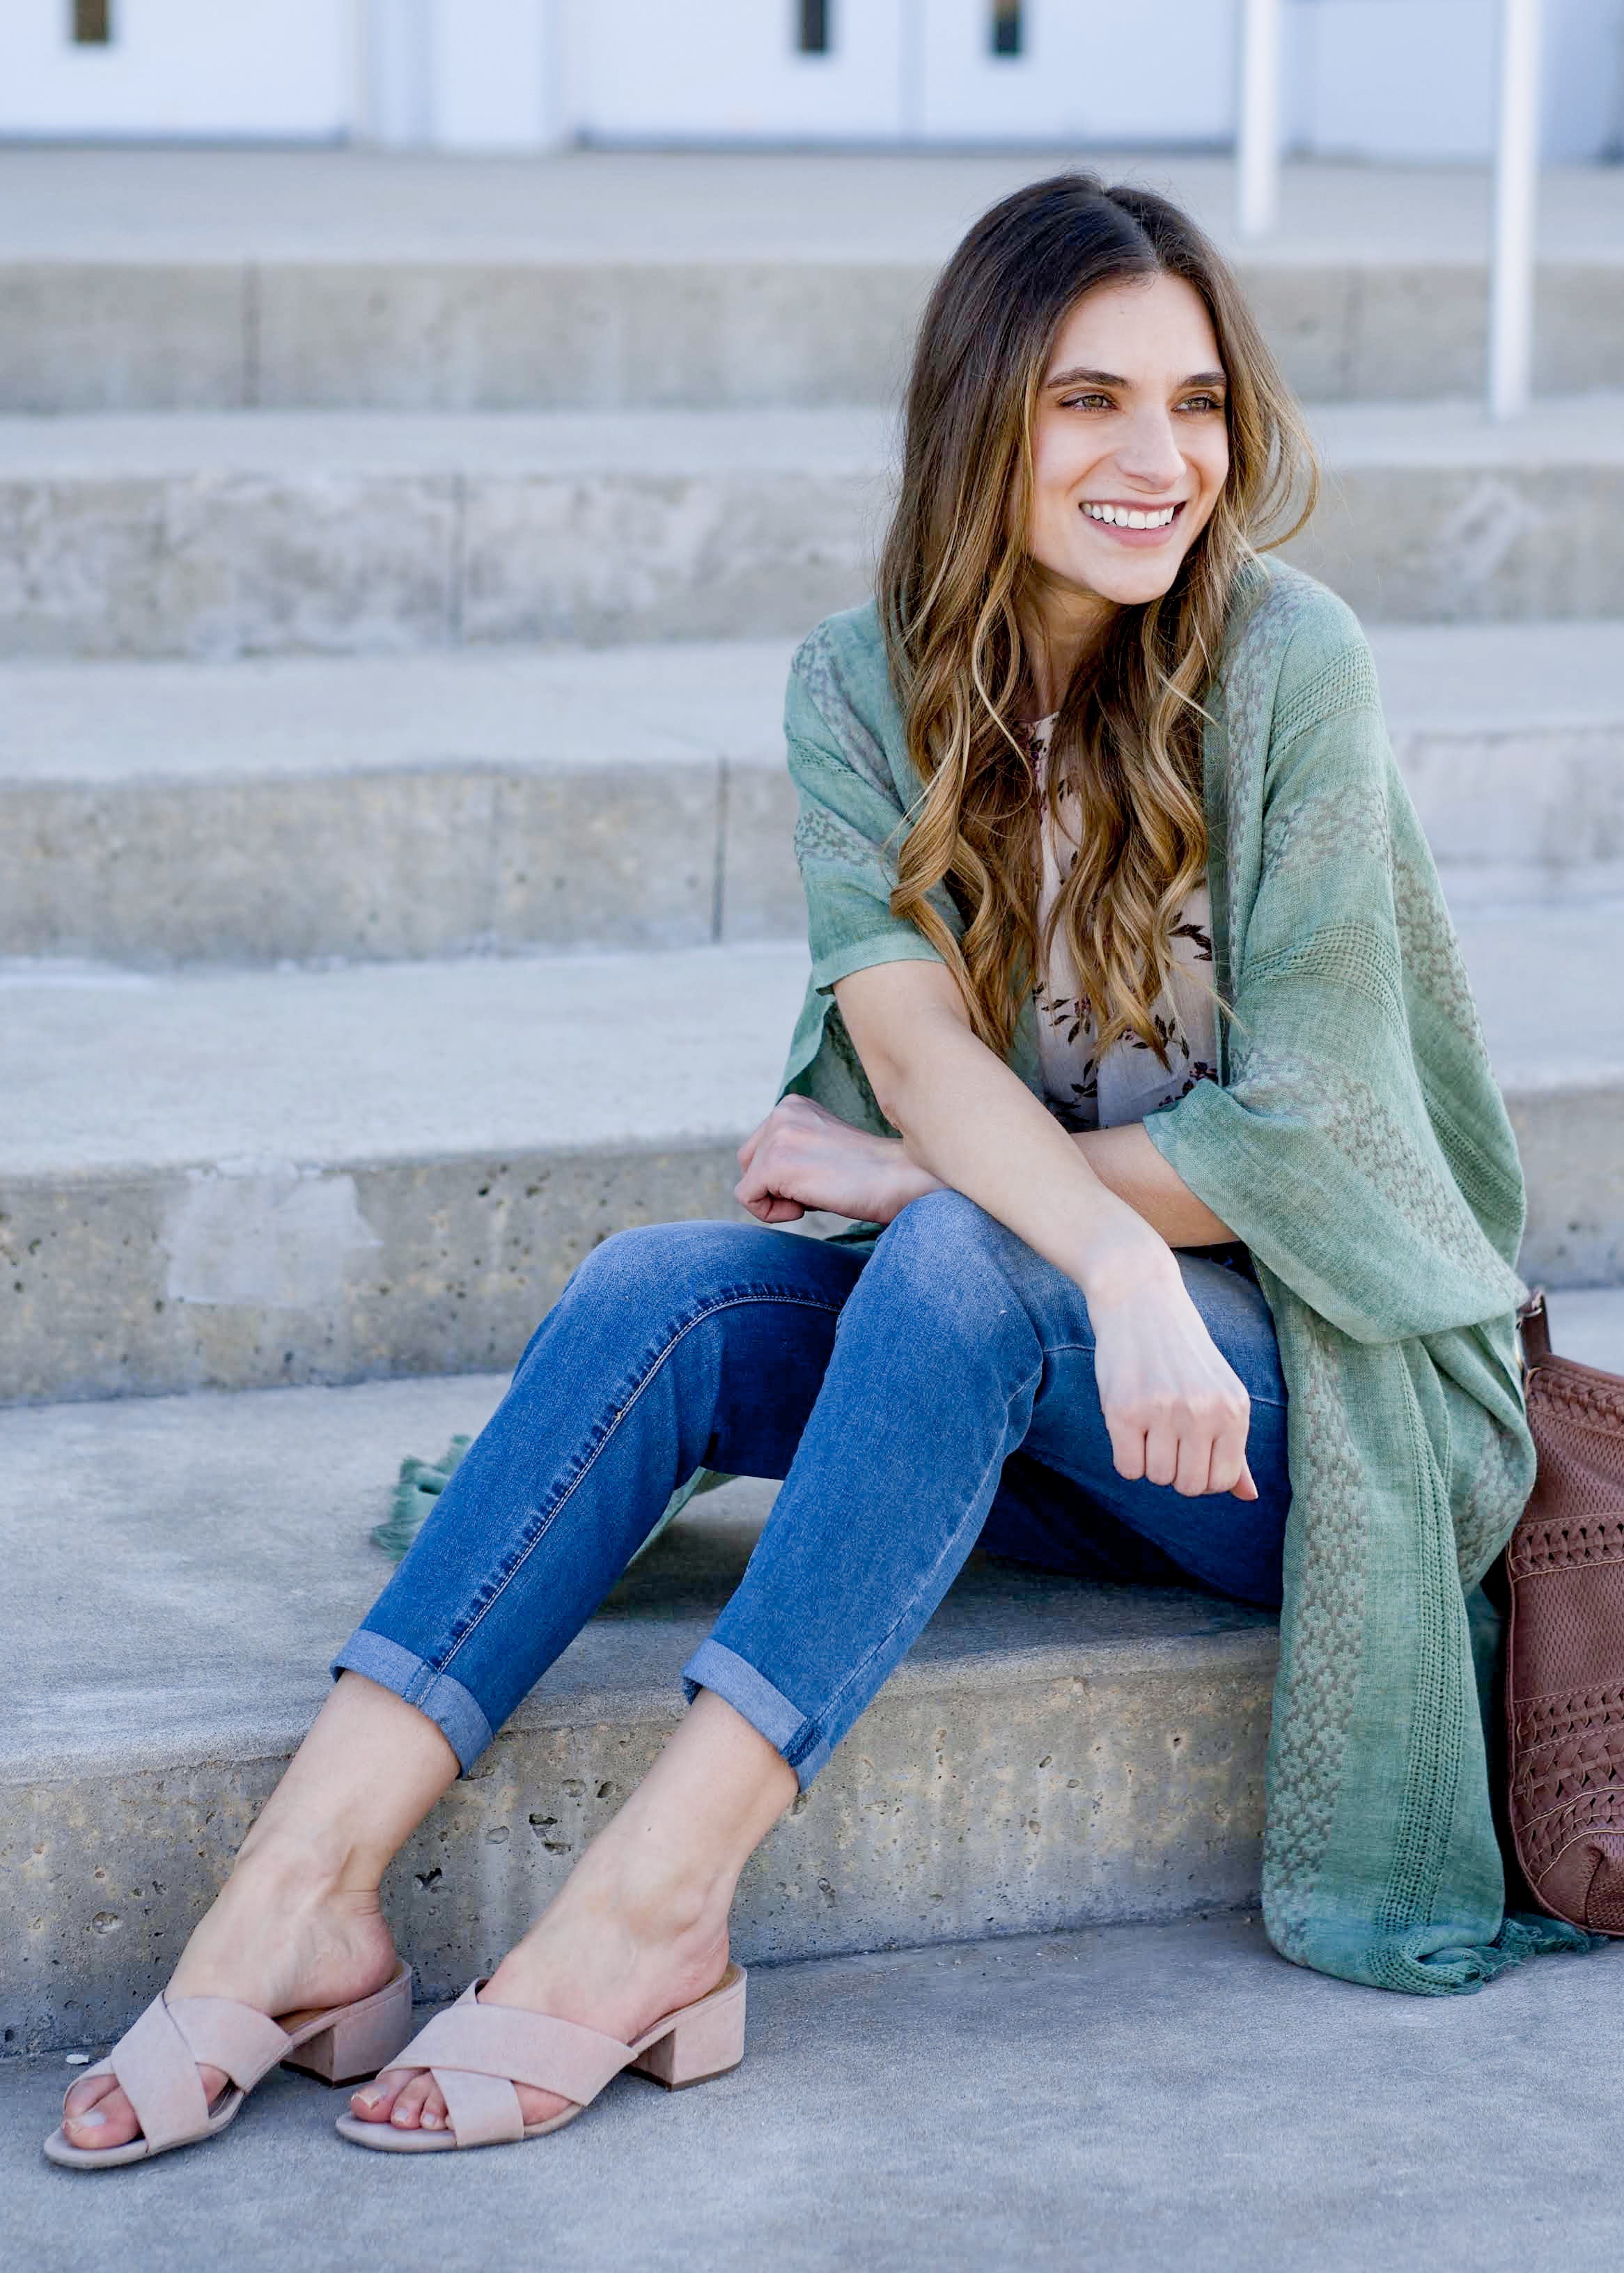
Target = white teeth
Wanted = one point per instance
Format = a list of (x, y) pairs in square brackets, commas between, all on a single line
[(1118, 516)]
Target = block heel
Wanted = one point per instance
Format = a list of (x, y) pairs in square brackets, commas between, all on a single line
[(363, 2039), (704, 2042)]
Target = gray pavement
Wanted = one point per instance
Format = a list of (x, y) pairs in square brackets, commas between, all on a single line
[(1126, 2099), (591, 205)]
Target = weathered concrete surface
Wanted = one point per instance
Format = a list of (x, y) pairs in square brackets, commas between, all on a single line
[(157, 813), (269, 532), (1128, 2097), (1051, 1752), (263, 1178), (592, 279), (479, 334)]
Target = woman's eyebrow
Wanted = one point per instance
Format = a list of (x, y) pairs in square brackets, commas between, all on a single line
[(1080, 376)]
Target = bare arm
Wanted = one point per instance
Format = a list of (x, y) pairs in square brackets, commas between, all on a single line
[(1175, 1412)]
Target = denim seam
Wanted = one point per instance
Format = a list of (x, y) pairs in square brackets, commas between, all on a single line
[(827, 1709), (734, 1302)]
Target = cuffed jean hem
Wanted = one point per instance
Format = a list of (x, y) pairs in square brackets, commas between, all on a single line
[(768, 1711), (436, 1695)]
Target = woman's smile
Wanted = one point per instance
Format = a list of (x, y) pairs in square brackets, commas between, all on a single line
[(1139, 525)]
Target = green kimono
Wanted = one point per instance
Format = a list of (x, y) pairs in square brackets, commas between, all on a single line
[(1357, 1144)]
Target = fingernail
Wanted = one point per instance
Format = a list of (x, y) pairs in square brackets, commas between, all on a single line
[(91, 2122)]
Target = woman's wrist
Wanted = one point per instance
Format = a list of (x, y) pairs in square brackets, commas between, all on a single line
[(909, 1181), (1120, 1255)]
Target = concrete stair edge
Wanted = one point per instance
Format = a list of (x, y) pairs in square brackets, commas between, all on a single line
[(1050, 1753), (259, 533)]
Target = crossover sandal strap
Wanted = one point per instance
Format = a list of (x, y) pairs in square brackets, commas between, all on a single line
[(155, 2062), (476, 2053)]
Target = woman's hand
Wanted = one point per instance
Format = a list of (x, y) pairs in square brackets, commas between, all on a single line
[(802, 1157), (1176, 1410)]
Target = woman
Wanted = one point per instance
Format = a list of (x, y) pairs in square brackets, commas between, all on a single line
[(1138, 1048)]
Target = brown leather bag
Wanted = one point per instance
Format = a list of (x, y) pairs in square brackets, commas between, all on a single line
[(1564, 1572)]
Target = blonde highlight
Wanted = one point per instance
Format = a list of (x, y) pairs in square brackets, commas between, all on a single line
[(1126, 753)]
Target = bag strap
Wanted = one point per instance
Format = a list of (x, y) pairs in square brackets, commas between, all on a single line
[(1534, 1325)]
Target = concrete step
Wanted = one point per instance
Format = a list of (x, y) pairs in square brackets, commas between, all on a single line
[(165, 280), (263, 1178), (264, 532), (1050, 1753), (484, 333), (161, 813), (157, 813)]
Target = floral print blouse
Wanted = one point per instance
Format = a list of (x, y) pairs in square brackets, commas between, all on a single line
[(1082, 1089)]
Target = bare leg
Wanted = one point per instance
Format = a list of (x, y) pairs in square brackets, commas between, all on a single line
[(640, 1926), (297, 1922)]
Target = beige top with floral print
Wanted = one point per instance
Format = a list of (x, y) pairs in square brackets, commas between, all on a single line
[(1082, 1089)]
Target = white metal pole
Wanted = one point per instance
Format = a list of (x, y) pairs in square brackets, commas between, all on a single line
[(1517, 189), (1257, 142)]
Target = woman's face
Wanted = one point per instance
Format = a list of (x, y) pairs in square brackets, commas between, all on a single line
[(1130, 448)]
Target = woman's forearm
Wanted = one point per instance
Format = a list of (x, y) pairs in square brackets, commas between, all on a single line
[(971, 1122), (1128, 1164)]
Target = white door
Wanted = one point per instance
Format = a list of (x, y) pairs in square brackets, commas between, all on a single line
[(276, 68), (676, 71), (1078, 71)]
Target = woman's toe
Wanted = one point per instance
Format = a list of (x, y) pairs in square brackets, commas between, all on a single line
[(99, 2115), (373, 2101), (407, 2113)]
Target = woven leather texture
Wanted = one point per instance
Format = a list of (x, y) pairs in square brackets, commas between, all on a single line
[(1565, 1668)]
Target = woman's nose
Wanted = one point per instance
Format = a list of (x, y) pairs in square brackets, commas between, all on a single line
[(1149, 452)]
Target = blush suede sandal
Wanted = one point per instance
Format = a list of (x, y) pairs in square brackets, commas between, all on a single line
[(476, 2053), (156, 2062)]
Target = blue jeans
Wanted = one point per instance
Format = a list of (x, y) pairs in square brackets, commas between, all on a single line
[(937, 1396)]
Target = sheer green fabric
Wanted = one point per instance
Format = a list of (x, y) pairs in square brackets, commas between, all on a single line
[(1357, 1141)]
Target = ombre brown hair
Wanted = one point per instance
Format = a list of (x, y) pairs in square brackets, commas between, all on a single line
[(1128, 741)]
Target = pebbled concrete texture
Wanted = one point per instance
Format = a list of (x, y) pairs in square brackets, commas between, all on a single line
[(272, 532), (262, 1178), (1050, 1752), (1129, 2097), (159, 814)]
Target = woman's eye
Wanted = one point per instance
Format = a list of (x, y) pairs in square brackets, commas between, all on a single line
[(1201, 402), (1086, 402)]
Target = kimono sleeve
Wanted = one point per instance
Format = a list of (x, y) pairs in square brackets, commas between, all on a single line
[(850, 824)]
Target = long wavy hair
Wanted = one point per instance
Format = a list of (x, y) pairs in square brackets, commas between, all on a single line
[(953, 574)]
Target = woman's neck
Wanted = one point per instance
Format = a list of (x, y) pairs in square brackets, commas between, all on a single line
[(1060, 629)]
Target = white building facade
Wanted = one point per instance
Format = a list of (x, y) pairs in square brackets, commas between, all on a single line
[(1371, 79)]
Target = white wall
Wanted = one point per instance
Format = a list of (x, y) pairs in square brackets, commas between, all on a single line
[(1415, 78), (1374, 79), (279, 69)]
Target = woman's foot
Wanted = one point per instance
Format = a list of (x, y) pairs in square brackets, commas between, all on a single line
[(619, 1949), (284, 1934)]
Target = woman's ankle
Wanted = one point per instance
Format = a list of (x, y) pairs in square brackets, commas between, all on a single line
[(306, 1858)]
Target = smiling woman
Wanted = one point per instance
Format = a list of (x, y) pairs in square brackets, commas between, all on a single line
[(1138, 1051)]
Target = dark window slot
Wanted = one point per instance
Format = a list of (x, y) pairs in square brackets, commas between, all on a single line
[(813, 32), (1006, 28), (93, 23)]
